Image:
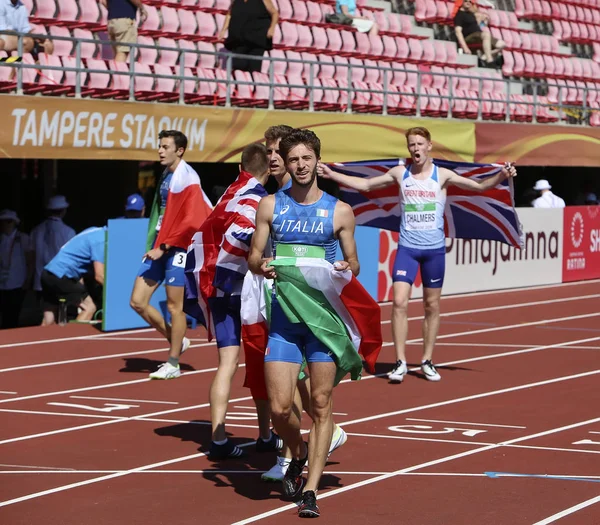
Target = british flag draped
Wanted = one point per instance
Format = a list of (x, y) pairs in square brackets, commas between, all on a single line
[(217, 259), (489, 215)]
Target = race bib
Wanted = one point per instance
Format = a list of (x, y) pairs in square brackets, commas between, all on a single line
[(420, 216), (179, 259)]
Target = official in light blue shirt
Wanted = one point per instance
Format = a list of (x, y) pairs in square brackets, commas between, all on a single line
[(77, 257), (14, 18)]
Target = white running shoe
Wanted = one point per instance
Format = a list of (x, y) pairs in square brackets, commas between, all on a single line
[(399, 371), (185, 344), (430, 372), (166, 371), (277, 471), (338, 439)]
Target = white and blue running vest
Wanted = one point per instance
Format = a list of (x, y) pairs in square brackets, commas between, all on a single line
[(422, 205), (304, 224)]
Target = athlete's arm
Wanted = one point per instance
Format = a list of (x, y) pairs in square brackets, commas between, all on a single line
[(264, 219), (344, 224), (453, 179), (99, 272), (272, 10), (359, 183)]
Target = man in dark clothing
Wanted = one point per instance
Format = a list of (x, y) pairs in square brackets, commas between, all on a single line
[(122, 27), (468, 27)]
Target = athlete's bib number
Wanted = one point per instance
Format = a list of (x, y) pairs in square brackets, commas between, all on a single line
[(179, 259), (420, 216), (160, 219)]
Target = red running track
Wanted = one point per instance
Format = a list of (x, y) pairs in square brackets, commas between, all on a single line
[(511, 435)]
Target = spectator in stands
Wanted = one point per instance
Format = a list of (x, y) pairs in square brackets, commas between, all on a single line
[(15, 268), (122, 26), (546, 198), (15, 19), (469, 25), (76, 274), (48, 237), (135, 207), (362, 24), (587, 188), (591, 199), (251, 25)]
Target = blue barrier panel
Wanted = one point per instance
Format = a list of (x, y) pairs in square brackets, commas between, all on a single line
[(367, 244), (126, 244)]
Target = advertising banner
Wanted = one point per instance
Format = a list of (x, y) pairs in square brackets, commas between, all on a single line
[(60, 128), (475, 265), (581, 234)]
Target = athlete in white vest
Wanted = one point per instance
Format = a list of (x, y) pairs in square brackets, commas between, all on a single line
[(422, 239)]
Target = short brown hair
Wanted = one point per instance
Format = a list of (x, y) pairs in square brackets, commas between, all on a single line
[(255, 159), (299, 136), (420, 131), (179, 138), (277, 132)]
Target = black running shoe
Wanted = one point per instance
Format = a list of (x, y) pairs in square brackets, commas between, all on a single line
[(308, 507), (273, 445), (293, 480), (224, 451)]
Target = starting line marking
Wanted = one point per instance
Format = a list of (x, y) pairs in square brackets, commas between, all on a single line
[(126, 400), (462, 423)]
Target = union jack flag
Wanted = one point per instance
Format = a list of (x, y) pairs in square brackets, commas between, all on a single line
[(217, 259), (489, 215)]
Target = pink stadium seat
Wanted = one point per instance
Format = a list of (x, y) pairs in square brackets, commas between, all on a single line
[(165, 88), (363, 45), (315, 16), (207, 26), (298, 97), (46, 12), (190, 57), (188, 24), (358, 71), (147, 55), (319, 38), (548, 65), (62, 47), (519, 66), (300, 11), (341, 68), (443, 12), (382, 21), (143, 83), (327, 66), (372, 74), (68, 13), (421, 10), (191, 4), (389, 47), (286, 11), (170, 54), (151, 26), (416, 51), (70, 77), (295, 68), (305, 39), (88, 49), (98, 81), (51, 80), (335, 40), (120, 83), (452, 55), (402, 49), (170, 20), (376, 46)]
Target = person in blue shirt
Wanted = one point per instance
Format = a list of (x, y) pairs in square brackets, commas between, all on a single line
[(360, 23), (76, 274)]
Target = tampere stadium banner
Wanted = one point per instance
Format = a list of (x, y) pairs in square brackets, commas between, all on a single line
[(57, 128)]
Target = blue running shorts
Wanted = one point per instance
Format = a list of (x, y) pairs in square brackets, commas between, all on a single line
[(292, 342), (432, 263), (226, 317), (169, 268)]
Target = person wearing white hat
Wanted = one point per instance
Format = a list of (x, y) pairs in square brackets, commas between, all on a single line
[(547, 199), (49, 236), (15, 268)]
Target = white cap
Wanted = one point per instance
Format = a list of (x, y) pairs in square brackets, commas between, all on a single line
[(58, 202), (542, 184), (9, 215)]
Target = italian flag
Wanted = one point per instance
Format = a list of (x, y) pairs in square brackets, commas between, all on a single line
[(187, 208), (335, 307)]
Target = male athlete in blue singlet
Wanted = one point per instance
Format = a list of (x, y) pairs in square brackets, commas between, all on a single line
[(301, 220), (422, 239)]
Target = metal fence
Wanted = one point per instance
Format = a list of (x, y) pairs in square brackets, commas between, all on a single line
[(516, 100)]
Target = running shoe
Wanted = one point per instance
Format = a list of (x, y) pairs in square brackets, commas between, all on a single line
[(166, 371), (185, 344), (308, 507), (277, 471), (398, 373), (293, 482), (275, 443), (430, 372), (338, 439), (225, 451)]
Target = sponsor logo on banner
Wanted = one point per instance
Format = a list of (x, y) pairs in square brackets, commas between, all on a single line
[(477, 265), (581, 259)]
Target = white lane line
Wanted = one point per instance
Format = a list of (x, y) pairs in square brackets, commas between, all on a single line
[(506, 307), (567, 512), (188, 422), (82, 427), (7, 392), (93, 358), (76, 338), (209, 471), (133, 400), (439, 461), (245, 408), (462, 423), (193, 456), (59, 470), (593, 432), (48, 413), (505, 291)]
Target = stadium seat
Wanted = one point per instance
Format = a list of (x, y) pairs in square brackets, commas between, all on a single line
[(88, 49), (147, 55)]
